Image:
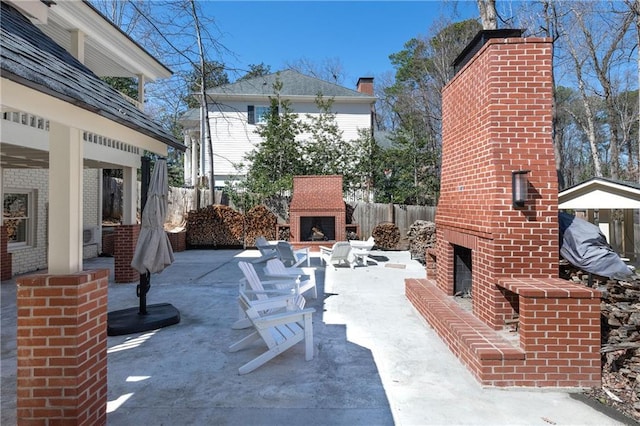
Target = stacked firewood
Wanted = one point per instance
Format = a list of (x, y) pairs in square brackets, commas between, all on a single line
[(620, 350), (260, 221), (215, 226), (284, 233), (387, 236), (621, 345), (422, 235)]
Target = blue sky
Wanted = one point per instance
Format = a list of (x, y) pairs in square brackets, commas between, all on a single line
[(362, 34)]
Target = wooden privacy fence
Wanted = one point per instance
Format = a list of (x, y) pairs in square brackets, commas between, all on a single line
[(368, 215), (182, 200)]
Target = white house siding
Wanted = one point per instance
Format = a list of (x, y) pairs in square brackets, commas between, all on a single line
[(33, 258), (233, 137)]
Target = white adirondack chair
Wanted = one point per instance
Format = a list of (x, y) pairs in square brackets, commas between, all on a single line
[(266, 249), (291, 257), (360, 250), (307, 276), (278, 331), (255, 288), (340, 252), (365, 245)]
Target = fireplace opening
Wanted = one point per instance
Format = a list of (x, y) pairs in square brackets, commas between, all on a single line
[(461, 271), (317, 228)]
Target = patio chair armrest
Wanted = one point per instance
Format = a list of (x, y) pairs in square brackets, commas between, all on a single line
[(273, 302), (282, 318), (264, 257), (268, 292)]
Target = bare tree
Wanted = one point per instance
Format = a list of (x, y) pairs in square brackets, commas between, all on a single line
[(329, 69), (603, 49), (203, 99), (488, 14), (634, 7)]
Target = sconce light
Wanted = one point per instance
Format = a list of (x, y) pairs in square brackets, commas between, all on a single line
[(519, 186)]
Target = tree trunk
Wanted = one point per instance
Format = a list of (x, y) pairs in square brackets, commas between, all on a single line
[(488, 14), (204, 104)]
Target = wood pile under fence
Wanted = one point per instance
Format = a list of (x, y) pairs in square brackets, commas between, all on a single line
[(422, 235), (260, 221), (387, 236), (215, 226)]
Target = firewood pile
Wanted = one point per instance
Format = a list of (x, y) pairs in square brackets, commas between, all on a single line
[(422, 235), (620, 350), (260, 221), (284, 233), (387, 235), (215, 226)]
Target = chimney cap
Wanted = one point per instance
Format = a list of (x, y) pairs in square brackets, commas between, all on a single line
[(478, 41)]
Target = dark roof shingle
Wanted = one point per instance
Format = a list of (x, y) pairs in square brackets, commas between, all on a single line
[(32, 59), (293, 84)]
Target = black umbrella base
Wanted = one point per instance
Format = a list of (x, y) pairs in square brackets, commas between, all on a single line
[(129, 321)]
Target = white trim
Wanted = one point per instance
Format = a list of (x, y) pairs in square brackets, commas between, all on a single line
[(23, 98)]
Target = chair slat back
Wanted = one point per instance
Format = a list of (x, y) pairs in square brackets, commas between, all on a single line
[(275, 266), (252, 278), (341, 250)]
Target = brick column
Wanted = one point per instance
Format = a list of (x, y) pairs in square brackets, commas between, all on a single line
[(6, 267), (125, 246), (62, 348)]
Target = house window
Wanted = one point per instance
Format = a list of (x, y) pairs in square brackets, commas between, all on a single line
[(257, 114), (18, 217)]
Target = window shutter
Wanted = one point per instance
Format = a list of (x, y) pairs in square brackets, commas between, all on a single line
[(251, 114)]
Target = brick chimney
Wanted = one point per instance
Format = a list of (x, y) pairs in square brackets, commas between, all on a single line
[(365, 85)]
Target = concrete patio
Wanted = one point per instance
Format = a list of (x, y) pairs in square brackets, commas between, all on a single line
[(376, 361)]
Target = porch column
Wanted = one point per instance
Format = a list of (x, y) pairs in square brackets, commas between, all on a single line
[(141, 83), (62, 349), (129, 195), (65, 199), (77, 45), (127, 233)]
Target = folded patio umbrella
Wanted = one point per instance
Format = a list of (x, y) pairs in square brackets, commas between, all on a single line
[(153, 251), (153, 254)]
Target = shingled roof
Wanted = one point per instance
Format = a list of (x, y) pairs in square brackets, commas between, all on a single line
[(30, 58), (293, 84)]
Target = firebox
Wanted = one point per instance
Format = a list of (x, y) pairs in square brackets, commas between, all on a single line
[(318, 228), (462, 271)]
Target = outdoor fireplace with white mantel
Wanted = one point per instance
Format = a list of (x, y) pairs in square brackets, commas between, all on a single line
[(317, 202), (494, 246)]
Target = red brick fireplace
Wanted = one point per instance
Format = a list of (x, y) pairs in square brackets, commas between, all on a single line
[(317, 201), (497, 121)]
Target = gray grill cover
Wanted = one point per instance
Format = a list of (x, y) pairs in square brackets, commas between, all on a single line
[(583, 245)]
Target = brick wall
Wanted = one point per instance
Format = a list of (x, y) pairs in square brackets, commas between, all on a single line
[(504, 126), (125, 245), (178, 240), (5, 257), (62, 348)]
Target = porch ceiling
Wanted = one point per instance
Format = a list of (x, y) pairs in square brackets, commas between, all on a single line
[(20, 157)]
